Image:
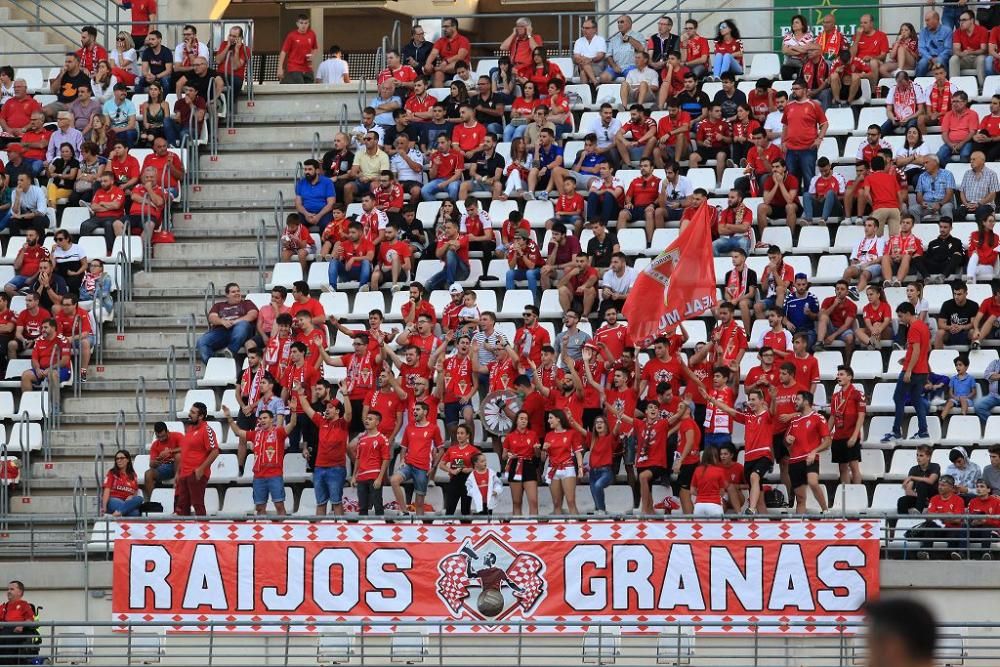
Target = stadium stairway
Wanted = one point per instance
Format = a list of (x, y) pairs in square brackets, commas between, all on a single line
[(216, 243)]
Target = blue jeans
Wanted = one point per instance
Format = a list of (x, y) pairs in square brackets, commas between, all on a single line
[(128, 136), (430, 191), (985, 405), (37, 167), (128, 507), (888, 128), (602, 206), (913, 391), (828, 203), (140, 84), (726, 244), (944, 153), (494, 128), (600, 479), (512, 132), (220, 337), (802, 164), (362, 272), (924, 66), (950, 14), (265, 487), (329, 485), (531, 275), (454, 270), (724, 62)]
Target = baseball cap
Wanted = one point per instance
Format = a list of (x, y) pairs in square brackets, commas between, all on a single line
[(456, 289), (15, 148)]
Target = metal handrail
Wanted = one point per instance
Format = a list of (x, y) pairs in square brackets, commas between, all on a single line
[(316, 145), (279, 217), (172, 379), (99, 465), (189, 330), (207, 297), (122, 295), (362, 95), (120, 429), (76, 351), (24, 432), (140, 408), (396, 35), (50, 416), (66, 10), (261, 234), (189, 176), (343, 122)]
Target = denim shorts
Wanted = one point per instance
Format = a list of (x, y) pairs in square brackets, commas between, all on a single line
[(630, 443), (268, 486), (329, 484), (453, 412), (165, 471), (419, 477)]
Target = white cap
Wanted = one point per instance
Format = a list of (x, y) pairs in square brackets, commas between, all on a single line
[(456, 288)]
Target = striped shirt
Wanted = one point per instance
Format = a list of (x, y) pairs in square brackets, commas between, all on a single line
[(975, 186)]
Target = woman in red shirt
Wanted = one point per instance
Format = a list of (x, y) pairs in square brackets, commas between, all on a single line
[(708, 483), (602, 472), (520, 463), (521, 111), (728, 50), (559, 111), (121, 488), (903, 53), (457, 462), (540, 70), (565, 461), (743, 129), (983, 247), (877, 316)]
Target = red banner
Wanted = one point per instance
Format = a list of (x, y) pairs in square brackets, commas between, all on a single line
[(614, 571), (676, 286)]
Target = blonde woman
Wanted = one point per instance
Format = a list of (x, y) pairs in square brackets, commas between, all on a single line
[(123, 60)]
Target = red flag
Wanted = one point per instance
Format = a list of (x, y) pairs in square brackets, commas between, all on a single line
[(678, 285)]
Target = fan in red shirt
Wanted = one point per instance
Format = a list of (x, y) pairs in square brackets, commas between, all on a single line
[(268, 444), (808, 435), (847, 416), (332, 434), (531, 337), (421, 439), (763, 378), (728, 339), (672, 130), (387, 399), (199, 449), (806, 366), (803, 119), (296, 56), (708, 483), (650, 453), (837, 317), (759, 437), (370, 454), (468, 136), (983, 531), (781, 195), (451, 48), (51, 358), (784, 408), (714, 137), (664, 366), (900, 251), (164, 457), (870, 44)]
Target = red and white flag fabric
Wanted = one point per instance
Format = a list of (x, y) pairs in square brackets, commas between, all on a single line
[(678, 285)]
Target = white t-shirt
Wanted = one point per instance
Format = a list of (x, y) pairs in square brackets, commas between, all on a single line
[(179, 53), (403, 171), (681, 190), (773, 124), (590, 49), (605, 135), (868, 251), (332, 71), (635, 78), (619, 285), (919, 151)]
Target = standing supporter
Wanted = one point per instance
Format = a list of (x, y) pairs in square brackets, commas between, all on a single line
[(457, 463), (420, 444), (882, 188), (847, 416), (199, 449), (651, 453), (808, 435), (295, 61), (729, 340), (330, 464), (268, 443), (370, 454), (335, 69), (805, 126), (911, 379)]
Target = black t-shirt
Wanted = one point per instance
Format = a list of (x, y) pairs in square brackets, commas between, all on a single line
[(729, 104), (335, 164), (487, 167), (952, 313), (751, 279), (489, 103), (201, 83), (64, 167), (414, 233), (693, 104), (157, 61), (391, 132), (600, 251), (433, 131), (70, 85), (922, 488)]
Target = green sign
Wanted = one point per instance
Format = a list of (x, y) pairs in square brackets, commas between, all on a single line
[(848, 14)]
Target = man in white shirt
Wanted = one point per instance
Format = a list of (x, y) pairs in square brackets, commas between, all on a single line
[(616, 283), (189, 49), (605, 127), (675, 195), (641, 83), (589, 52), (865, 262), (407, 165), (367, 125), (773, 123), (334, 69)]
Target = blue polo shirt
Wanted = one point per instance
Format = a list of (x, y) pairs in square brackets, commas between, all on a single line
[(314, 195), (591, 160), (547, 157), (796, 307)]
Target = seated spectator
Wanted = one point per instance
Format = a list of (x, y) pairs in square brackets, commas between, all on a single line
[(49, 286), (450, 49), (296, 241), (640, 199), (978, 192), (108, 209), (148, 200), (615, 284), (34, 143), (902, 54), (548, 156), (585, 169), (124, 167), (986, 323), (352, 258), (51, 359), (578, 286), (445, 174), (28, 207), (84, 108), (562, 249), (524, 261), (837, 319), (16, 112), (735, 227), (694, 48), (334, 69), (514, 223), (314, 197), (781, 194), (900, 252), (385, 102), (945, 502), (871, 46), (991, 473), (983, 531), (636, 138), (101, 135), (675, 199), (157, 63), (958, 126), (168, 166), (912, 156), (955, 320), (96, 287), (188, 117), (934, 192), (590, 53), (187, 52), (934, 43), (961, 389), (65, 85), (876, 319), (943, 257), (367, 167), (797, 45), (208, 83), (605, 196), (489, 106), (621, 49), (920, 483), (850, 70), (904, 104), (987, 137), (522, 111), (982, 250), (775, 282), (540, 121), (569, 207), (713, 139), (825, 189), (367, 125), (231, 324), (122, 115), (672, 133), (64, 134), (164, 457), (968, 46), (231, 60), (728, 50), (453, 251), (641, 84), (560, 112), (984, 405), (802, 310), (62, 172)]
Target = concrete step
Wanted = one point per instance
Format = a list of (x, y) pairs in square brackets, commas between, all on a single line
[(243, 193), (292, 133), (205, 250), (112, 402), (123, 371), (175, 308), (147, 339), (300, 107), (40, 503), (212, 222), (86, 438), (196, 280), (126, 385), (221, 263), (265, 162)]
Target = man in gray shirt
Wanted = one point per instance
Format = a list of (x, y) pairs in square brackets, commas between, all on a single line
[(571, 338), (621, 50), (991, 473), (983, 406)]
